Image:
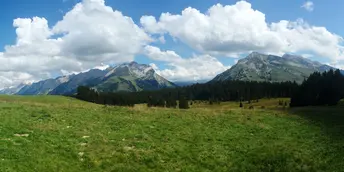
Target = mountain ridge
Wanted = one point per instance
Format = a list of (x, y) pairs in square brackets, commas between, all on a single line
[(137, 77), (271, 68), (133, 77)]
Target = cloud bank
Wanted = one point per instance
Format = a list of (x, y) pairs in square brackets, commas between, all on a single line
[(93, 34), (235, 29), (89, 35)]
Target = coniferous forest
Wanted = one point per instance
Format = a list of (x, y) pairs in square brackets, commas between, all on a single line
[(319, 89), (212, 92)]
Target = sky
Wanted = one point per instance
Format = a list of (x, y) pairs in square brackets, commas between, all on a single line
[(183, 40)]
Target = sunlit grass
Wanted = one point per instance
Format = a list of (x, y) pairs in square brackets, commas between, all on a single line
[(52, 133)]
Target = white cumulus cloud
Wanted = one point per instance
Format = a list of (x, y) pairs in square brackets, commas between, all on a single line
[(94, 35), (236, 29), (89, 35), (93, 30), (195, 68)]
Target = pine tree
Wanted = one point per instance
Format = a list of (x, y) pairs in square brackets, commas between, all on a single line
[(183, 103), (150, 101)]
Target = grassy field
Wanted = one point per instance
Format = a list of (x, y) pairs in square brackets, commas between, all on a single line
[(46, 133)]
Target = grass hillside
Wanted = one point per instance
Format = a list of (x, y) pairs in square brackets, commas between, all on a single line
[(47, 133)]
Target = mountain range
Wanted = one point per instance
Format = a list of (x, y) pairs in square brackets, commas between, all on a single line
[(271, 68), (13, 89), (125, 77), (137, 77)]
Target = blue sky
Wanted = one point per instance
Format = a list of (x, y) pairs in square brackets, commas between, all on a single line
[(175, 55)]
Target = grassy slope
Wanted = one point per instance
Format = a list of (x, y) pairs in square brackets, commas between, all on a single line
[(69, 135), (123, 83)]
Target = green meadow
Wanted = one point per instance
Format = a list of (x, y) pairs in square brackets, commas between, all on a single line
[(53, 133)]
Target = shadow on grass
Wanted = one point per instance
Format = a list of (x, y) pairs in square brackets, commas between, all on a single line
[(330, 119)]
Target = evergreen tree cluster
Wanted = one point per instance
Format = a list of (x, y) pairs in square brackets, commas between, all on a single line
[(320, 89), (183, 103), (240, 90), (90, 95), (152, 102), (214, 92)]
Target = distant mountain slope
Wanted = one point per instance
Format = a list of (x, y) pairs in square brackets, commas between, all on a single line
[(261, 67), (42, 87), (12, 90), (126, 77), (90, 78)]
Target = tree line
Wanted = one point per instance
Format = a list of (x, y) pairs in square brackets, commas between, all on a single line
[(319, 89), (173, 97)]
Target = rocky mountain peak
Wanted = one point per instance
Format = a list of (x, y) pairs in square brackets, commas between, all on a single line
[(262, 67), (124, 77)]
